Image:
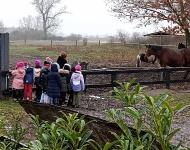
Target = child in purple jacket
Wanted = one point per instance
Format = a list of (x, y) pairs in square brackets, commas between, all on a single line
[(77, 84)]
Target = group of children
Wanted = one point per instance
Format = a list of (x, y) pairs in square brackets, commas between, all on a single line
[(52, 82)]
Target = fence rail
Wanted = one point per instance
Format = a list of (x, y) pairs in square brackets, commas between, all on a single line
[(114, 73)]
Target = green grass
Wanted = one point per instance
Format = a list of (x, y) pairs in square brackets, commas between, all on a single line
[(9, 109)]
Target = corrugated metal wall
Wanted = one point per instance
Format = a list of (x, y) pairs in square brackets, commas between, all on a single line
[(4, 62)]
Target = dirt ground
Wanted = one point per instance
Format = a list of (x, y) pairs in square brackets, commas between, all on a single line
[(94, 104)]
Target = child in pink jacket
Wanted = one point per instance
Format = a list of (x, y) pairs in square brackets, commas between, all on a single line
[(17, 84)]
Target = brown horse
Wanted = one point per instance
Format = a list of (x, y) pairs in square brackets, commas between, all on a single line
[(169, 57)]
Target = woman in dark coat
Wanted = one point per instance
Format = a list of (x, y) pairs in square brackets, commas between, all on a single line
[(54, 84), (61, 60)]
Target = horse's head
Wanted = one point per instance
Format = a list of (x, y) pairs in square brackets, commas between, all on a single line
[(84, 65), (153, 50), (181, 45), (149, 51)]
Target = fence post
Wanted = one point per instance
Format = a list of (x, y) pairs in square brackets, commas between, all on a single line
[(25, 41), (167, 78), (113, 79), (51, 44), (76, 42), (99, 43)]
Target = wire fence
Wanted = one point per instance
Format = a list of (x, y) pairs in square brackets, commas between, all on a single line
[(53, 43)]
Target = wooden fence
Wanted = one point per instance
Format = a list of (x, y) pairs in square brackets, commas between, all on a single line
[(115, 72), (145, 76)]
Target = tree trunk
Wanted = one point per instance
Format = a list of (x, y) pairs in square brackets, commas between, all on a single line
[(44, 29), (187, 34)]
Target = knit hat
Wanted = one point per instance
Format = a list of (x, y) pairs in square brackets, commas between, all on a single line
[(20, 64), (67, 67), (47, 63), (49, 59), (78, 68), (26, 64), (37, 63)]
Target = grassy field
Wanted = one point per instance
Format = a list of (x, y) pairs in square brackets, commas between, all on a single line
[(106, 55)]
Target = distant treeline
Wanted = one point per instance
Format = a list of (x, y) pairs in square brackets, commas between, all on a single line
[(16, 34)]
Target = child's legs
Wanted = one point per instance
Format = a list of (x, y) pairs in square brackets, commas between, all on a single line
[(64, 96), (20, 94), (74, 98), (38, 92), (55, 100), (61, 98), (78, 98), (25, 91), (14, 93), (42, 98), (46, 99), (30, 91), (51, 100), (70, 102)]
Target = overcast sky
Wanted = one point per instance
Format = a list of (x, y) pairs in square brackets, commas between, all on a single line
[(87, 17)]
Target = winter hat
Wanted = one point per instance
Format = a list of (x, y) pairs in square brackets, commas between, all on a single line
[(78, 68), (67, 67), (48, 59), (20, 64), (47, 63), (37, 63), (58, 67)]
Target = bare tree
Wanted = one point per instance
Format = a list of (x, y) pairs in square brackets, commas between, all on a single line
[(28, 23), (50, 18), (2, 26), (175, 12), (123, 36)]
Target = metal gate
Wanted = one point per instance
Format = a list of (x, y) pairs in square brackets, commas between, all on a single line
[(4, 63)]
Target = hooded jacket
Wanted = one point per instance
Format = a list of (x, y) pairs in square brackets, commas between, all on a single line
[(54, 85), (65, 79), (43, 78), (29, 77), (37, 75), (18, 76), (61, 61), (77, 81)]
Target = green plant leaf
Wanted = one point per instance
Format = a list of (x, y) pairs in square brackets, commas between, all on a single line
[(170, 136), (133, 112), (181, 109), (85, 138), (150, 100), (161, 99), (95, 145), (139, 147)]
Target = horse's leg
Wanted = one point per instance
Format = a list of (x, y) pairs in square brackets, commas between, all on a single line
[(186, 73), (138, 61)]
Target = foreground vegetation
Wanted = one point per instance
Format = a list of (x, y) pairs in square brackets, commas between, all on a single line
[(151, 114)]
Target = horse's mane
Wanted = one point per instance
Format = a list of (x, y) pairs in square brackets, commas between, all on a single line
[(156, 47)]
